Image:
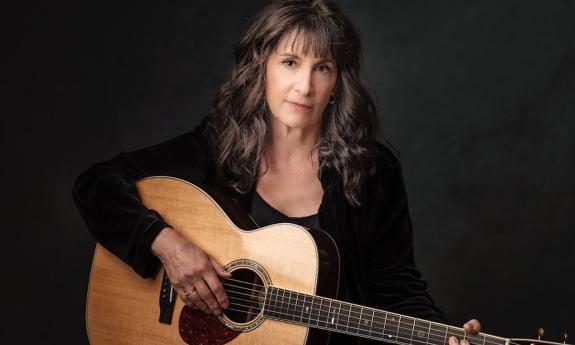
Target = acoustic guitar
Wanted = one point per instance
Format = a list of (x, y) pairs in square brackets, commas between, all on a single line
[(279, 292)]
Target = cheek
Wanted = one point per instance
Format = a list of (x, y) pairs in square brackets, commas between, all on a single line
[(270, 85), (276, 88)]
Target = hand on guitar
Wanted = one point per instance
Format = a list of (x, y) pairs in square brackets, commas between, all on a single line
[(193, 273), (472, 326)]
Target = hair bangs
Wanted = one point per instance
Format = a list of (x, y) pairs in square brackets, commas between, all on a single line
[(310, 37)]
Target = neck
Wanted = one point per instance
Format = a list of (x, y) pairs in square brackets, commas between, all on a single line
[(343, 317), (287, 146)]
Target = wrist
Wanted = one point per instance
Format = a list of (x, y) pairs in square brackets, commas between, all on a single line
[(161, 242)]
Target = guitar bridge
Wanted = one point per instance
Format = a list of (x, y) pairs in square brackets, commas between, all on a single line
[(167, 300)]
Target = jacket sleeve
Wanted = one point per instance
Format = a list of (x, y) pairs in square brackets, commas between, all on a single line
[(109, 203), (395, 283)]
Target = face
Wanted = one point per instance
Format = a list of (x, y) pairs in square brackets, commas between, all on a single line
[(298, 86)]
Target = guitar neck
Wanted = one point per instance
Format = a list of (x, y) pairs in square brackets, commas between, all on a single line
[(333, 315)]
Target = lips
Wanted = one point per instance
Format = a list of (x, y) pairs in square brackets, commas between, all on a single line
[(303, 105)]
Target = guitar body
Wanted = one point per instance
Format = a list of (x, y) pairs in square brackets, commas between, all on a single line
[(123, 308)]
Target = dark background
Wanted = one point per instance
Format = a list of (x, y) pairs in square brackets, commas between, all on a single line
[(478, 96)]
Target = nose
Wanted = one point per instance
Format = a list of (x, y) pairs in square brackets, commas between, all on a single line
[(304, 82)]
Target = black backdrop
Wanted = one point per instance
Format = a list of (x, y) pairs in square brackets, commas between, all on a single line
[(476, 95)]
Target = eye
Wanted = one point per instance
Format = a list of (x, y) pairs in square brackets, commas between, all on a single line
[(288, 63), (323, 68)]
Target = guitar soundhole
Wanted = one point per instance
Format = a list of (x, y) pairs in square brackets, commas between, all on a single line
[(246, 293)]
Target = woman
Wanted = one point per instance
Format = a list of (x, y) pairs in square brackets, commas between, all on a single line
[(291, 138)]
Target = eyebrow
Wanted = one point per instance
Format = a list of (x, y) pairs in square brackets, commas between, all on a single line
[(319, 61)]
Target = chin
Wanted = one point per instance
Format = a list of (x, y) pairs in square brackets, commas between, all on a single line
[(296, 122)]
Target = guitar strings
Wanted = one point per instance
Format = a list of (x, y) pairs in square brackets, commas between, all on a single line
[(395, 325), (439, 333), (372, 334), (392, 323), (461, 332), (477, 338)]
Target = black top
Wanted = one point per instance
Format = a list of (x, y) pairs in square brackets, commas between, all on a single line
[(265, 214), (375, 240)]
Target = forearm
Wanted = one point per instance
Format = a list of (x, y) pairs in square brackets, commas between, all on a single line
[(113, 212)]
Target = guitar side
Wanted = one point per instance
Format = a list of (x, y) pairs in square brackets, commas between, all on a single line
[(123, 308)]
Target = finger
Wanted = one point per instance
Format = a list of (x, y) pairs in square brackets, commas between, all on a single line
[(464, 342), (197, 303), (207, 296), (472, 326), (220, 270), (217, 289), (192, 299), (453, 341), (196, 300), (181, 294)]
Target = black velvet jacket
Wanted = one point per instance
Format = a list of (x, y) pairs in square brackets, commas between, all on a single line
[(375, 240)]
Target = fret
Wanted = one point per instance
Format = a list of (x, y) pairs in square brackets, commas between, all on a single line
[(295, 308), (484, 338), (355, 318), (291, 303), (277, 303), (298, 308), (435, 331), (420, 335), (345, 311), (303, 306), (476, 339), (338, 325), (391, 327), (428, 333), (365, 322), (398, 325), (371, 322), (271, 302), (307, 308), (287, 297), (340, 319), (330, 315), (412, 331), (284, 304), (446, 331), (282, 310), (267, 302), (360, 321), (384, 325), (312, 320), (322, 316), (324, 312), (456, 332), (287, 312)]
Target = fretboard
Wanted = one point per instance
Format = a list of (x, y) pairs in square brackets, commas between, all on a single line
[(333, 315)]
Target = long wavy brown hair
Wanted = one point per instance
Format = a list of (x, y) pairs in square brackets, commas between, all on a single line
[(240, 116)]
